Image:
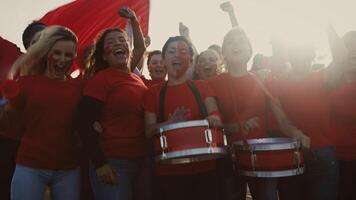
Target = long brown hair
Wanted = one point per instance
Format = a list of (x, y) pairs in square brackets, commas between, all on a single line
[(96, 59)]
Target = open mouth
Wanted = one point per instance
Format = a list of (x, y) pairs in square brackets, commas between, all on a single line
[(60, 68), (236, 51), (177, 64), (119, 52)]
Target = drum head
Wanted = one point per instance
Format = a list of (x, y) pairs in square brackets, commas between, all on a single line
[(268, 144), (187, 124), (191, 155)]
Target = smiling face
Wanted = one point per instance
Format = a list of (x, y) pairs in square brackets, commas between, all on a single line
[(116, 50), (156, 67), (177, 59), (236, 48), (207, 64), (60, 59)]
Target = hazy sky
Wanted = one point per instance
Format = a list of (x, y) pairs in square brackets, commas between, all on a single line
[(293, 20)]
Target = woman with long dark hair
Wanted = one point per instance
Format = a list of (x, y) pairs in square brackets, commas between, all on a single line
[(113, 96)]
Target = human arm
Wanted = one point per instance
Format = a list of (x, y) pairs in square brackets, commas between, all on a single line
[(152, 125), (88, 113), (138, 38), (227, 7), (339, 53)]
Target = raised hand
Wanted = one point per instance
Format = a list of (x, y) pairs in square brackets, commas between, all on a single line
[(183, 30), (127, 13), (147, 41), (227, 6)]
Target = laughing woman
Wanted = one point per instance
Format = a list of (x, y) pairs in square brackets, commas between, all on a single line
[(47, 102), (113, 96)]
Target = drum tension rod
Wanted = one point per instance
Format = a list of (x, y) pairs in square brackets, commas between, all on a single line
[(164, 144), (209, 139)]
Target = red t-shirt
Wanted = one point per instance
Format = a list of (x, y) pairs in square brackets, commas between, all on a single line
[(122, 117), (343, 121), (239, 99), (48, 140), (150, 83), (306, 104), (178, 96), (8, 54)]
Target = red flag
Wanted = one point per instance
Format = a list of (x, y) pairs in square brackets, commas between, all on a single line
[(87, 18)]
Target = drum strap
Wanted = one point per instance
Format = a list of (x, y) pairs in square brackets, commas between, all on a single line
[(197, 96)]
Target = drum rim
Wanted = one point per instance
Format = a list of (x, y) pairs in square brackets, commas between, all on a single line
[(290, 143), (175, 157), (273, 174), (186, 124)]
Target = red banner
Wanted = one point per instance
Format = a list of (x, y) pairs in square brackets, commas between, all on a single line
[(87, 18)]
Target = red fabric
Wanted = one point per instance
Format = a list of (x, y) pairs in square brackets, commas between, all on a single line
[(10, 89), (239, 99), (48, 140), (9, 52), (178, 96), (306, 104), (87, 18), (343, 121), (150, 83), (122, 117)]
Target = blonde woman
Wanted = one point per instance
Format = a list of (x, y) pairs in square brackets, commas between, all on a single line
[(47, 102)]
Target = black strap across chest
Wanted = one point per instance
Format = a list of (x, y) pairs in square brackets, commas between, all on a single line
[(193, 89)]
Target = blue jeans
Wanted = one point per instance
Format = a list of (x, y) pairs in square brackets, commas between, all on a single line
[(130, 177), (30, 183), (322, 174)]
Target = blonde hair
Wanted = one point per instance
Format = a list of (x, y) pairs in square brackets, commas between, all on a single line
[(220, 63), (34, 61)]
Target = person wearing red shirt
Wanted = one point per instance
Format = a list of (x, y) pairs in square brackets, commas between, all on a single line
[(181, 181), (208, 64), (113, 96), (9, 53), (156, 69), (304, 95), (343, 116), (244, 104), (46, 154)]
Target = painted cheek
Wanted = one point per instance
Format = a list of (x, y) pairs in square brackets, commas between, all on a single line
[(107, 50)]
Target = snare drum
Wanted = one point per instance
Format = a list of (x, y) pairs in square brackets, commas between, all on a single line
[(187, 142), (269, 157)]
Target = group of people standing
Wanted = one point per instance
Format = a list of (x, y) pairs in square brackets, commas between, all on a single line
[(112, 113)]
